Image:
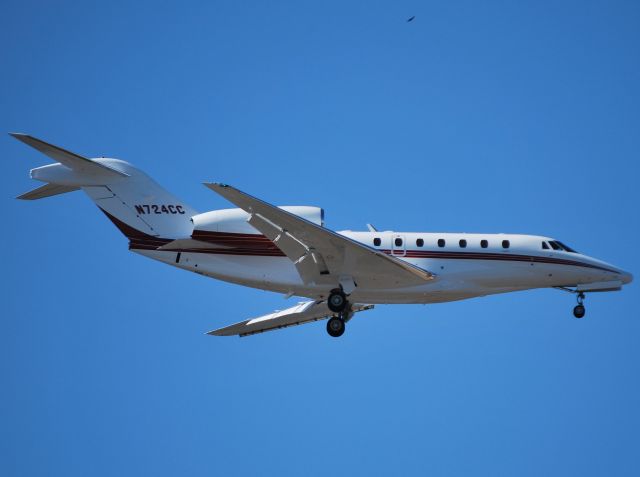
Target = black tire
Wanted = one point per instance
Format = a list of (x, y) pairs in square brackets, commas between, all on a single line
[(335, 327), (337, 301), (579, 311)]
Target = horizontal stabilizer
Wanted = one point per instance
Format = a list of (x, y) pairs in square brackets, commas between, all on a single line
[(46, 190), (70, 159), (304, 312)]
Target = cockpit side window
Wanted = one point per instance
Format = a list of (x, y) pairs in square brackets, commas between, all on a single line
[(554, 245), (545, 246), (564, 247)]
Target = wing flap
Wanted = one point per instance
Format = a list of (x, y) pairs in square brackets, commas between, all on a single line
[(308, 263), (305, 312), (290, 246)]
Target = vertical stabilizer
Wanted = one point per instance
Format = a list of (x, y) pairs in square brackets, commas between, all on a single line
[(137, 204)]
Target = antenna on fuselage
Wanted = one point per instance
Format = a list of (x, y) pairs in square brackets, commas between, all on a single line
[(371, 228)]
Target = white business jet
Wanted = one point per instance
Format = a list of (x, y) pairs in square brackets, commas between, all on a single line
[(288, 249)]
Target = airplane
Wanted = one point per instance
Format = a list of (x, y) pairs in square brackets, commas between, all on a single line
[(289, 250)]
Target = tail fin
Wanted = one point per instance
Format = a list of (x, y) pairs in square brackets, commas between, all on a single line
[(133, 201)]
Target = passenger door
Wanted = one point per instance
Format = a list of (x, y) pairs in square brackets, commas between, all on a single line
[(398, 246)]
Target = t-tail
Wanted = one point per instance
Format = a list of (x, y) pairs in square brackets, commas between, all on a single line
[(142, 210)]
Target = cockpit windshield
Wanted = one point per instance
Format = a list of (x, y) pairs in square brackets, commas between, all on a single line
[(556, 245)]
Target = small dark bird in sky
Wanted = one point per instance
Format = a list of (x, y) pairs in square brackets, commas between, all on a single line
[(411, 19)]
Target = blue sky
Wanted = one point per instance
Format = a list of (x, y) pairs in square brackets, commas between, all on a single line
[(517, 117)]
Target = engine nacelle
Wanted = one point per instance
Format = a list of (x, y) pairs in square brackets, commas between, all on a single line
[(235, 220)]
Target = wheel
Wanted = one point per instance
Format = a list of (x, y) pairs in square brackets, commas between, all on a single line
[(337, 301), (579, 311), (335, 327)]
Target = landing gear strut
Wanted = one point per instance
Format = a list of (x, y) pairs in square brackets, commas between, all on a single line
[(338, 303), (579, 309)]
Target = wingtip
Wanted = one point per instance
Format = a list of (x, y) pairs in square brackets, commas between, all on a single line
[(216, 186), (231, 330), (17, 135)]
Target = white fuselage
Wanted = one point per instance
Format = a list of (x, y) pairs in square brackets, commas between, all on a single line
[(287, 249), (506, 263)]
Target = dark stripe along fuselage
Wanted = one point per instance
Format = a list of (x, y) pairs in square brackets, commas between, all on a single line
[(260, 246)]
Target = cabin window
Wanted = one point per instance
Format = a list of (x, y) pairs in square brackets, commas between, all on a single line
[(377, 242), (398, 242), (420, 243), (441, 243), (505, 244), (484, 243), (463, 243), (545, 246)]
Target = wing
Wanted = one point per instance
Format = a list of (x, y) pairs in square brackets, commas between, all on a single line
[(321, 256), (305, 312)]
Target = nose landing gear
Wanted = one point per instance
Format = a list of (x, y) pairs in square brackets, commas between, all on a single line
[(579, 310)]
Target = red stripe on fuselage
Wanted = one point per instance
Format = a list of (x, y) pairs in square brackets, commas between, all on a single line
[(260, 246)]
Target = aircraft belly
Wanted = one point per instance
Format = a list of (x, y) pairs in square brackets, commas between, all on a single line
[(483, 277), (506, 274), (457, 279), (267, 273)]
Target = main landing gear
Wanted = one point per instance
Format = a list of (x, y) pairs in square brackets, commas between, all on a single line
[(338, 303), (336, 326), (579, 310)]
